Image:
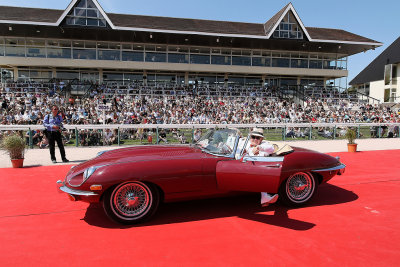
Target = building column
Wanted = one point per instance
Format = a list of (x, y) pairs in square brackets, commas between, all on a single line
[(226, 79), (186, 78), (53, 73), (100, 76), (145, 77), (15, 70), (263, 80)]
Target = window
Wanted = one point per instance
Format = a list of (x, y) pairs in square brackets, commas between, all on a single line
[(132, 56), (156, 57), (241, 61), (288, 28), (108, 54), (280, 62), (178, 58), (199, 59), (35, 52), (58, 52), (1, 47), (315, 64), (111, 76), (299, 63), (84, 54), (85, 13), (261, 61), (15, 47), (220, 60), (35, 48)]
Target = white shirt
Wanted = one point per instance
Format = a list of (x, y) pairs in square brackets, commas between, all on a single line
[(266, 148)]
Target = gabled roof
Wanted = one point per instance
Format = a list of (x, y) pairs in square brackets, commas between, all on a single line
[(272, 22), (74, 2), (51, 17), (271, 25), (166, 24), (375, 71), (25, 15)]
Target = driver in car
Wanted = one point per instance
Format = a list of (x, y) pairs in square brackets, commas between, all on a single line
[(259, 147)]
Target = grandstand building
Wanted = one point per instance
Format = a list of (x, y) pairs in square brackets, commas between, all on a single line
[(380, 78), (84, 42)]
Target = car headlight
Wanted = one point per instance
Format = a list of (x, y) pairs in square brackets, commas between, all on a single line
[(89, 171)]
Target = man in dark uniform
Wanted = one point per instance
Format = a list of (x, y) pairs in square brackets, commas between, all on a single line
[(53, 124)]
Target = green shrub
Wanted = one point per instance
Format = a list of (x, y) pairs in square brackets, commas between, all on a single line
[(350, 135), (14, 146)]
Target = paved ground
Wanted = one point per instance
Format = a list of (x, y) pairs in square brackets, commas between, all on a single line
[(41, 157)]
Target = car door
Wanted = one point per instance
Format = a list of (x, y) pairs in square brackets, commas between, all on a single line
[(251, 173)]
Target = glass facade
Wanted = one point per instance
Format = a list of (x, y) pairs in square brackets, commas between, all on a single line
[(89, 50), (288, 28), (85, 13)]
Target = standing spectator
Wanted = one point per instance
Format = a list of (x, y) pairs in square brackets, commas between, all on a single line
[(53, 124)]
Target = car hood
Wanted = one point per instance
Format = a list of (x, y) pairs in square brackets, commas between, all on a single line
[(303, 158), (143, 153)]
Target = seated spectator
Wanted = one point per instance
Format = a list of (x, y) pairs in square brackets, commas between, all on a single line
[(162, 136), (197, 134), (44, 143), (109, 137)]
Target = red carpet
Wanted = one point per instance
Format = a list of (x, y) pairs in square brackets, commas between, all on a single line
[(353, 221)]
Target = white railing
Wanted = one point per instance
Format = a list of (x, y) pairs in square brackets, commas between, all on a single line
[(281, 129), (197, 126)]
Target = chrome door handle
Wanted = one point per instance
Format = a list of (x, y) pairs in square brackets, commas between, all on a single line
[(274, 166)]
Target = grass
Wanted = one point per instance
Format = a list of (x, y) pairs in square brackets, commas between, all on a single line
[(272, 134)]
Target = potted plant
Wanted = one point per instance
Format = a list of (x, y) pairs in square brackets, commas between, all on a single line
[(351, 135), (14, 145)]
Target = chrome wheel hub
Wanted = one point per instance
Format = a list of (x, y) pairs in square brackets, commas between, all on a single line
[(131, 200), (300, 187)]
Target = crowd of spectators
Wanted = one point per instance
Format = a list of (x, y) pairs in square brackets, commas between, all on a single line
[(31, 107)]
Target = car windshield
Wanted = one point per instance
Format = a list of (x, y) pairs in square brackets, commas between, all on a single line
[(219, 141)]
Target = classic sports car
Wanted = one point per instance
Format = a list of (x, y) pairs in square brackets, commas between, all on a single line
[(131, 182)]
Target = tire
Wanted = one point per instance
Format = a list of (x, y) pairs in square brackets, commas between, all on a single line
[(131, 202), (298, 189)]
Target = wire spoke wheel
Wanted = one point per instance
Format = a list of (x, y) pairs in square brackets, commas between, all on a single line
[(299, 188), (131, 202)]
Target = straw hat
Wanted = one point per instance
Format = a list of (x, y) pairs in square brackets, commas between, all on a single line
[(257, 132)]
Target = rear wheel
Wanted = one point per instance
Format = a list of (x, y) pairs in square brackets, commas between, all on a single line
[(298, 189), (131, 202)]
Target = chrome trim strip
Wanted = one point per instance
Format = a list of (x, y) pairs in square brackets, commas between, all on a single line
[(77, 192), (262, 159), (339, 167)]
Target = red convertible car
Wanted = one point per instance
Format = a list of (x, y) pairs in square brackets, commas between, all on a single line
[(131, 182)]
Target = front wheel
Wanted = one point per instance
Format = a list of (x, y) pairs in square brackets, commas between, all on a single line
[(131, 202), (298, 189)]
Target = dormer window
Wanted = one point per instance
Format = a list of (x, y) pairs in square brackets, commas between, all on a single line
[(288, 28), (85, 13)]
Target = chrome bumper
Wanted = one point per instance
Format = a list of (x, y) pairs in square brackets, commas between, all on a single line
[(340, 169), (74, 191)]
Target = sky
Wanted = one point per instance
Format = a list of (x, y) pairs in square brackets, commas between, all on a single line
[(376, 20)]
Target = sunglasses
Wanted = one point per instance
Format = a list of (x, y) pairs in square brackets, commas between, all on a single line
[(256, 137), (55, 108)]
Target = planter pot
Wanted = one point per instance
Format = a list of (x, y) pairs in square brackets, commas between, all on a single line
[(17, 163), (352, 147)]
